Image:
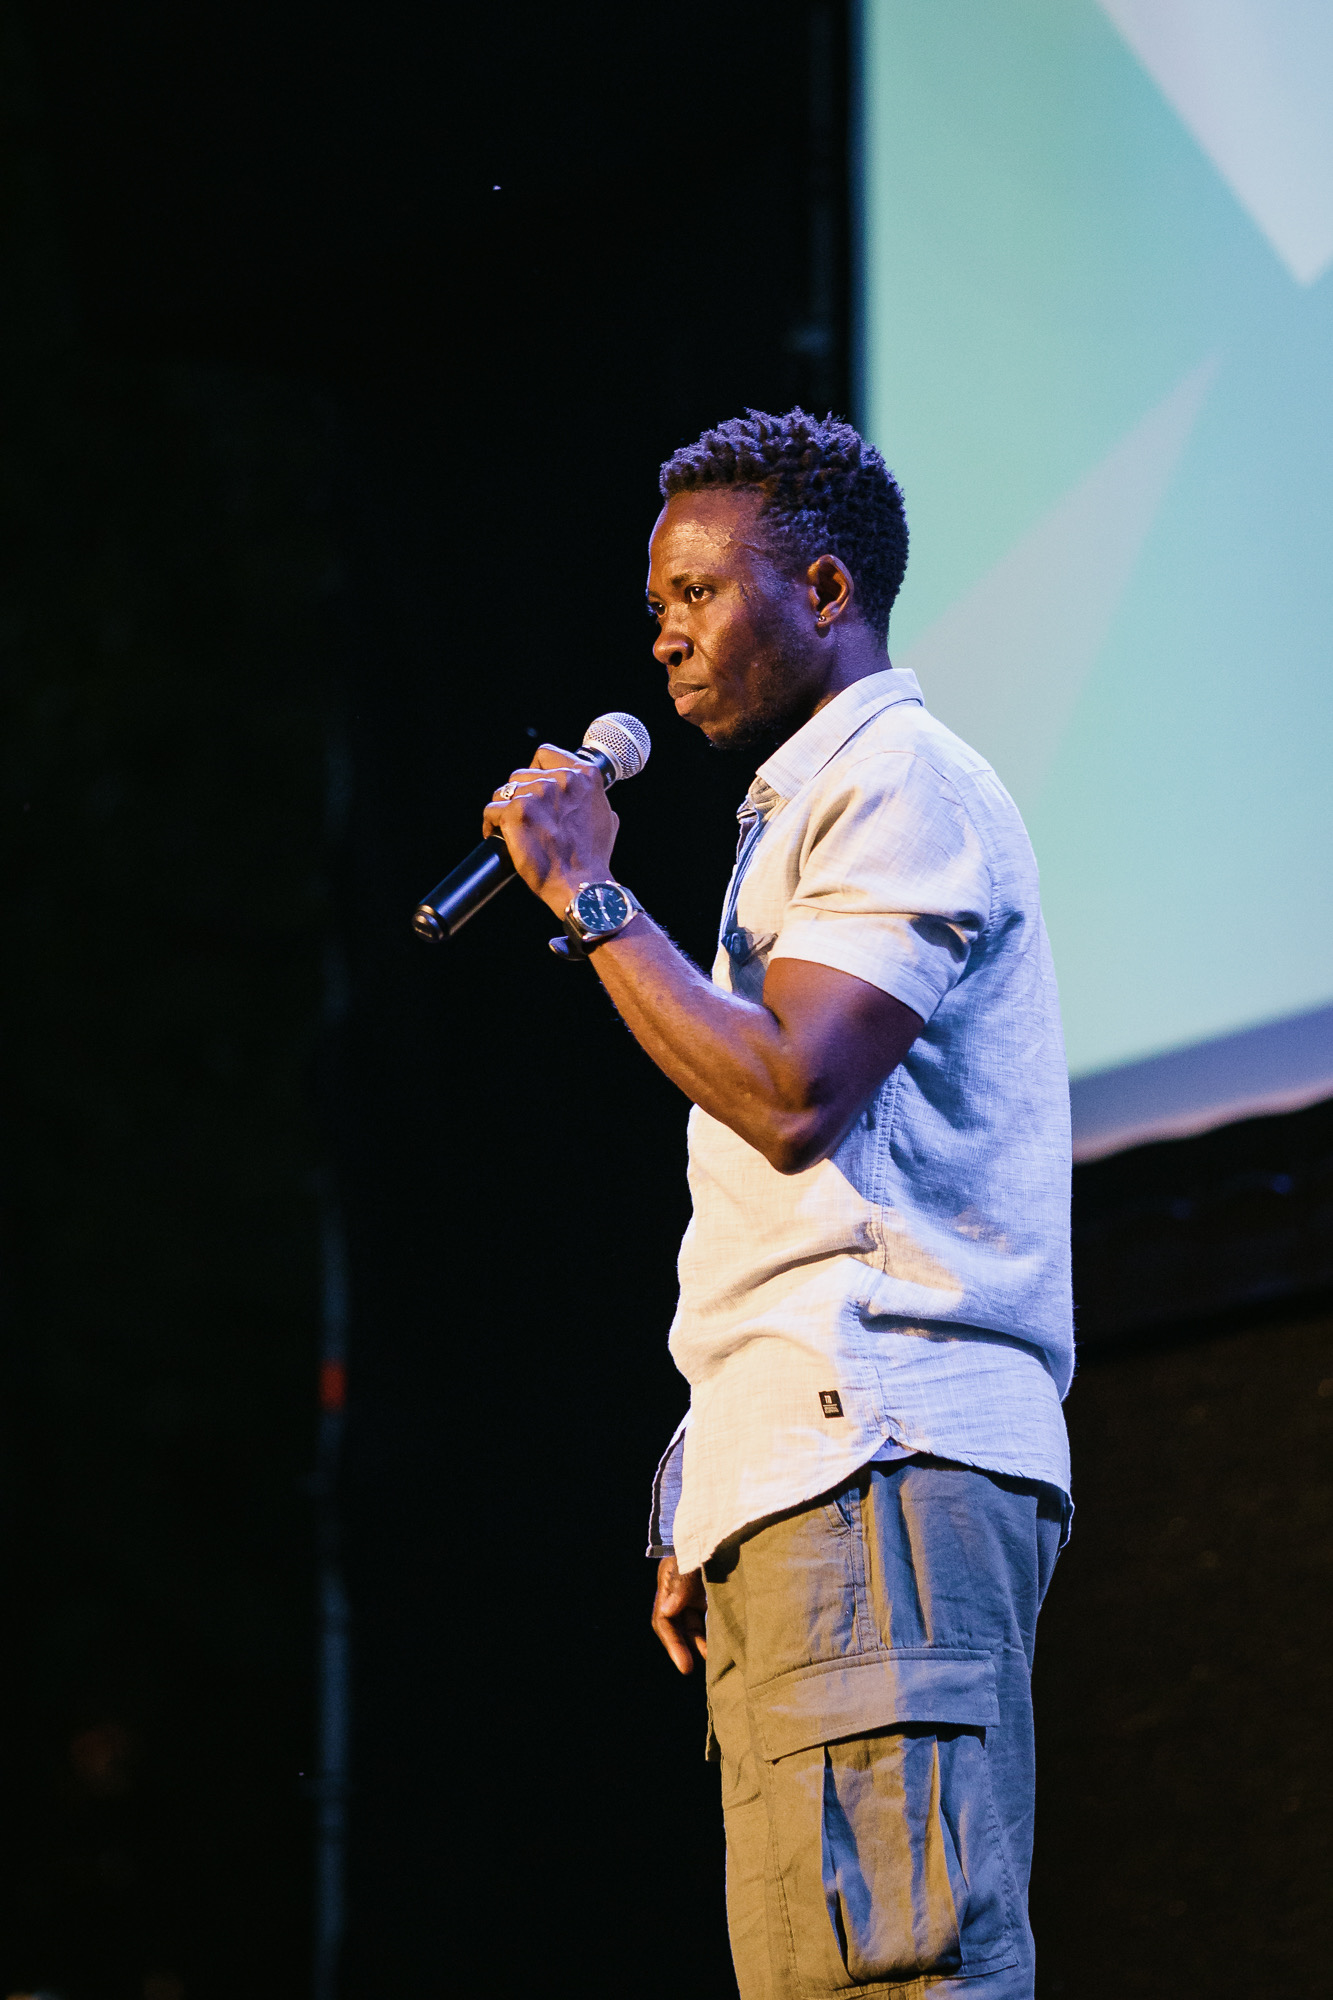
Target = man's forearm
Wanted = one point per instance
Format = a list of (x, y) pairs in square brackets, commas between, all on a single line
[(788, 1075), (726, 1054)]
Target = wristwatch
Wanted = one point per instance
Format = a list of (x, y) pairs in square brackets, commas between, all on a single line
[(599, 911)]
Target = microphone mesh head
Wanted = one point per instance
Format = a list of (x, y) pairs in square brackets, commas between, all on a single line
[(623, 739)]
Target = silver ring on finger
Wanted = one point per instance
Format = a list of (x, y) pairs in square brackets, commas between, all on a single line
[(506, 791)]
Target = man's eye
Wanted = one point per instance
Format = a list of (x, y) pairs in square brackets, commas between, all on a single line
[(695, 593)]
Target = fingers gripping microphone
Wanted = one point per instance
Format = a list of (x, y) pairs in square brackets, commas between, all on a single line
[(618, 744)]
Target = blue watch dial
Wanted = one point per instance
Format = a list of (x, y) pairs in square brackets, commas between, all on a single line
[(602, 907)]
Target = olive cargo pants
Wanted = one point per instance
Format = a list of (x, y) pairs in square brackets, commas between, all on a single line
[(869, 1660)]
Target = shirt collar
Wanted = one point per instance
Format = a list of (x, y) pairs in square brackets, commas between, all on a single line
[(782, 775)]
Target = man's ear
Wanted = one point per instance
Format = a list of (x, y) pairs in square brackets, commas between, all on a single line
[(831, 590)]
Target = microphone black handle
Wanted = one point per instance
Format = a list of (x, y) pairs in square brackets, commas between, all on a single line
[(488, 869)]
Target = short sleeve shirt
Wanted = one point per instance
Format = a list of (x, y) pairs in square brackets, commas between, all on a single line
[(914, 1286)]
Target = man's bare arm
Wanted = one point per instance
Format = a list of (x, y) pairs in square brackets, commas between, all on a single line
[(789, 1074)]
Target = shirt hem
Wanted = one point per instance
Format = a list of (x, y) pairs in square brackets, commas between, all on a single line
[(695, 1558)]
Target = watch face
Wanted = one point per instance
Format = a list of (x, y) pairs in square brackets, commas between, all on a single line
[(602, 907)]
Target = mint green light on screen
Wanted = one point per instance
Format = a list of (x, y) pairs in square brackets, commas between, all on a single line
[(1098, 352)]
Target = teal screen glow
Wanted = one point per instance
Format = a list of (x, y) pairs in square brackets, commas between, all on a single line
[(1097, 349)]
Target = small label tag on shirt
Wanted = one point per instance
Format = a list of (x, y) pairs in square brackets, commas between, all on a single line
[(830, 1402)]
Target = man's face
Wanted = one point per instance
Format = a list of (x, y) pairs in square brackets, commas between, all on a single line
[(737, 628)]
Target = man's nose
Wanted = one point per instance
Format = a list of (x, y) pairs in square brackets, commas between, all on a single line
[(672, 648)]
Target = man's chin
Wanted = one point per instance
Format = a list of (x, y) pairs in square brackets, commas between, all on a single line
[(718, 733), (732, 741)]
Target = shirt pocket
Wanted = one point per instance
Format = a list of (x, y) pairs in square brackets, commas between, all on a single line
[(887, 1841)]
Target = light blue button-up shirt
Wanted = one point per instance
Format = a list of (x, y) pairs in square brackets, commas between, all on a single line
[(911, 1292)]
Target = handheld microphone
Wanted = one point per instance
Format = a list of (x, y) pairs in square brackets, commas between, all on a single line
[(617, 744)]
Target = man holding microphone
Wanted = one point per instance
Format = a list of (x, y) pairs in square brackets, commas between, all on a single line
[(858, 1519)]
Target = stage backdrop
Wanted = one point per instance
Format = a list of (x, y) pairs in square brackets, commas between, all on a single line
[(1096, 310)]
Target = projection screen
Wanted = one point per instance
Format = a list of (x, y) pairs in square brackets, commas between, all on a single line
[(1095, 342)]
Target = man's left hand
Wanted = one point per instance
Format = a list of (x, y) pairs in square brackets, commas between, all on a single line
[(679, 1612), (557, 824)]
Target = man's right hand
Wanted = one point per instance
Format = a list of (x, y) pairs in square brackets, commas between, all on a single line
[(678, 1614)]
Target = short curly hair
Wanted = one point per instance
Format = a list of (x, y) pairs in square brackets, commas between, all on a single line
[(826, 492)]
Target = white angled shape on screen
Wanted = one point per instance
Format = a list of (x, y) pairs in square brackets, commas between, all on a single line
[(1004, 665), (1253, 81)]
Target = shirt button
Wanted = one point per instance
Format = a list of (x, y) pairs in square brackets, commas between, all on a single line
[(737, 944)]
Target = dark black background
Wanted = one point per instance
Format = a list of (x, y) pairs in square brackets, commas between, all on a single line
[(342, 346), (362, 337)]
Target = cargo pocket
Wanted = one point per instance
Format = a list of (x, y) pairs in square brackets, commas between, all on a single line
[(887, 1840)]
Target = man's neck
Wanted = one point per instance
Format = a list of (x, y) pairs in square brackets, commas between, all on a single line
[(851, 666), (856, 660)]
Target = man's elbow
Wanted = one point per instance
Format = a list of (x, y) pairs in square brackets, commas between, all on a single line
[(797, 1141)]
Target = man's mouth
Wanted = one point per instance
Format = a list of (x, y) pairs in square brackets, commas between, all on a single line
[(686, 695)]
